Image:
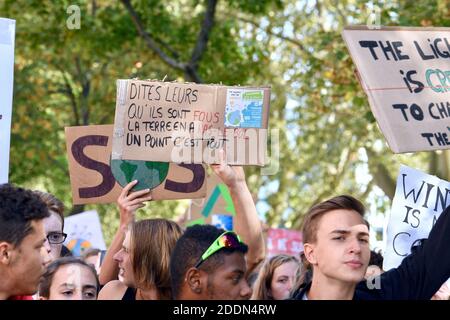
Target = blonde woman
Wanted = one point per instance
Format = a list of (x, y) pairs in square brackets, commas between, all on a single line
[(143, 262)]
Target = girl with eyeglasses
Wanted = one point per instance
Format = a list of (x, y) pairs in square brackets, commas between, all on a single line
[(53, 225)]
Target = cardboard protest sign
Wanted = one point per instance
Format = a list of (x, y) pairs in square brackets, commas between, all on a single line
[(92, 180), (7, 32), (190, 123), (405, 73), (418, 202), (84, 231), (284, 241), (216, 209)]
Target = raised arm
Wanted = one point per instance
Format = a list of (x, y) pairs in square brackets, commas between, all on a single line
[(128, 203), (246, 221), (421, 273)]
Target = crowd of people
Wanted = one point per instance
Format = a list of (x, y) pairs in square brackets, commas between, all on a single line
[(156, 259)]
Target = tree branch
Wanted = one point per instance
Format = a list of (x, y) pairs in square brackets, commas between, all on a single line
[(85, 90), (275, 34), (381, 175), (202, 39), (148, 39), (69, 92)]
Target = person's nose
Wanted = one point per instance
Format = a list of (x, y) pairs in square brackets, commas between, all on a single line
[(78, 296), (47, 246), (355, 246), (118, 256), (45, 255), (289, 284), (246, 291)]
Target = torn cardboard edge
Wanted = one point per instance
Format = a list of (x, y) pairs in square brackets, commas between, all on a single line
[(250, 116)]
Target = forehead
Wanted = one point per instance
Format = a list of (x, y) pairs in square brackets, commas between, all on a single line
[(341, 219), (53, 222), (74, 274), (288, 268), (232, 262)]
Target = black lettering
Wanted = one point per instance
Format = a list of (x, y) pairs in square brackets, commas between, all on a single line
[(416, 112), (157, 92), (108, 180), (421, 53), (387, 49), (371, 45), (402, 107), (443, 54), (397, 45), (428, 136), (429, 188), (133, 86), (394, 243), (408, 209), (440, 198), (414, 212), (198, 179)]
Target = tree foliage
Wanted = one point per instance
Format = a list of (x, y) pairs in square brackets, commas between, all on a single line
[(328, 136)]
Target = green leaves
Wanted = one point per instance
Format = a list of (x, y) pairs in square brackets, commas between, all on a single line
[(328, 134)]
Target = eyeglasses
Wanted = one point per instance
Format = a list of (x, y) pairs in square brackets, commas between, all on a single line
[(228, 239), (56, 237)]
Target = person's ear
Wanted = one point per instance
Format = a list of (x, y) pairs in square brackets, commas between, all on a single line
[(309, 251), (194, 280), (5, 253)]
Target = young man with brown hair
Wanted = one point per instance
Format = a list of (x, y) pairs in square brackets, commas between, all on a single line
[(335, 237), (22, 237)]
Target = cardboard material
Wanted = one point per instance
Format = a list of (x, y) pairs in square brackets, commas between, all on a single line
[(92, 181), (189, 123), (7, 33), (405, 73), (216, 208), (418, 202)]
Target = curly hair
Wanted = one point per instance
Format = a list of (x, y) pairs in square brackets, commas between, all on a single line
[(18, 207), (190, 247)]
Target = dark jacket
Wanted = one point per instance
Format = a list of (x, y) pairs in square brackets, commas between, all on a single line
[(418, 277)]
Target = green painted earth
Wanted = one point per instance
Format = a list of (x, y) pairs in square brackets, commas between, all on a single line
[(149, 174)]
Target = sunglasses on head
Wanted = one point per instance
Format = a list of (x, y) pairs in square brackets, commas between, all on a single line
[(228, 239)]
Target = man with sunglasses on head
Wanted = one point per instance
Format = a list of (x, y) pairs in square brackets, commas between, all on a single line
[(209, 264), (53, 225), (22, 252)]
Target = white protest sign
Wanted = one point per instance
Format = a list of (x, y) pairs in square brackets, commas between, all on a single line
[(84, 231), (7, 32), (405, 73), (418, 202)]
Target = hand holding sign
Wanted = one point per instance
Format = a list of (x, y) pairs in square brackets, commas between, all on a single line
[(231, 176), (129, 202)]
